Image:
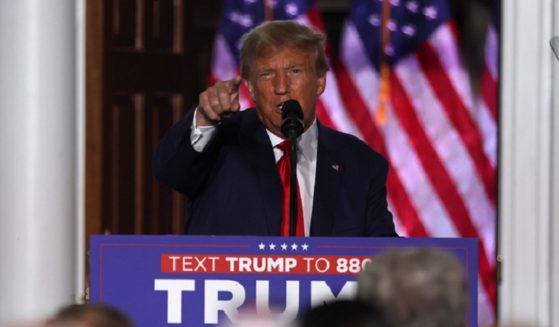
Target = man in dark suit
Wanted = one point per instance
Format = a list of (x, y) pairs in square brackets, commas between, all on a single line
[(225, 160)]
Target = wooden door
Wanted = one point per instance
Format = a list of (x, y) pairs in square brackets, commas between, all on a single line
[(146, 61)]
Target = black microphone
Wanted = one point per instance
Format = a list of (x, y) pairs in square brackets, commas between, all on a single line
[(291, 119), (292, 127)]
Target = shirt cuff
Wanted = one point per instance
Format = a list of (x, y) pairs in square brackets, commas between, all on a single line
[(200, 136)]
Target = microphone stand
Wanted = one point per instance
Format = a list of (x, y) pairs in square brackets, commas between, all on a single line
[(293, 187), (292, 127)]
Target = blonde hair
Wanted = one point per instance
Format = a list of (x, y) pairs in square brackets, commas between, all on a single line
[(279, 34)]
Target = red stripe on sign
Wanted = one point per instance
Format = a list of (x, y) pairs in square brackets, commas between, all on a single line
[(261, 264)]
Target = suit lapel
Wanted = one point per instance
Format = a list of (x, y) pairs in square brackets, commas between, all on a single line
[(259, 154), (329, 170)]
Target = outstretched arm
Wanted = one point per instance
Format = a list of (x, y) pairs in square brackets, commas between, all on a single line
[(178, 160)]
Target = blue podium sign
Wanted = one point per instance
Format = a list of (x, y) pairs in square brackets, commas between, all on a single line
[(199, 281)]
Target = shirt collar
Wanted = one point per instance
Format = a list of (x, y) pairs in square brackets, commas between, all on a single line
[(307, 142)]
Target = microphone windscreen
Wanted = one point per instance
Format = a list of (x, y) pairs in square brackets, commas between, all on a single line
[(291, 107)]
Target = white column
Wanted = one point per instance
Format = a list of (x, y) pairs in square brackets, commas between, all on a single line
[(526, 183), (38, 114), (555, 181)]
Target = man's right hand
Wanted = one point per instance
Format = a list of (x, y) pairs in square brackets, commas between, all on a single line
[(218, 101)]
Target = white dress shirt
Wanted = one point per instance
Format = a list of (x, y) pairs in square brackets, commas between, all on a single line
[(307, 149)]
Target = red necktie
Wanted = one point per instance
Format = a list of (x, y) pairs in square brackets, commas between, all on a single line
[(284, 168)]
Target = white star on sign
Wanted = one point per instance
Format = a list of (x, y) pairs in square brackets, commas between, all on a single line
[(272, 246), (284, 247), (294, 247), (261, 246), (305, 247)]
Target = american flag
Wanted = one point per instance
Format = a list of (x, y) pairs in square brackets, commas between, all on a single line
[(401, 87)]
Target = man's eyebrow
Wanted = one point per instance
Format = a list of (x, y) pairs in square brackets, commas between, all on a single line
[(294, 65), (263, 71)]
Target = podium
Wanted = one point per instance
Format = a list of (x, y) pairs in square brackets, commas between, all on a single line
[(200, 281)]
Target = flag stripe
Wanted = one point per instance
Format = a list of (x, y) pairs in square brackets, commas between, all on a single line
[(438, 176), (323, 115), (447, 144), (492, 51), (489, 92), (459, 116), (404, 209), (485, 313), (445, 46), (400, 153), (329, 105), (357, 109), (429, 158), (416, 183)]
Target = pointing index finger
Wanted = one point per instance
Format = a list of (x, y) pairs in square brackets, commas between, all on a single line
[(234, 84)]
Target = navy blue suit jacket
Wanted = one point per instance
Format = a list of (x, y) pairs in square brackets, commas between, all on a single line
[(234, 187)]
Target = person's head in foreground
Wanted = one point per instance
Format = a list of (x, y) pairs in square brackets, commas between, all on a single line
[(89, 315), (343, 313), (417, 287)]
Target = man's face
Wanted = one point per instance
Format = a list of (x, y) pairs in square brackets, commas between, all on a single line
[(282, 74)]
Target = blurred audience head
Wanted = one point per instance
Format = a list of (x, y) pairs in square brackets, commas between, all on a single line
[(253, 319), (417, 288), (89, 315), (343, 313)]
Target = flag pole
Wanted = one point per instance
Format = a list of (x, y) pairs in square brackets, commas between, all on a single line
[(384, 92), (268, 10)]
